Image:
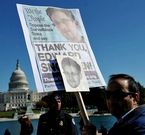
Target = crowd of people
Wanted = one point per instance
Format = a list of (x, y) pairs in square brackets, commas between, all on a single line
[(122, 97)]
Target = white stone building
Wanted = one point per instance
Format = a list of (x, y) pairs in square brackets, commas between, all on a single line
[(18, 92)]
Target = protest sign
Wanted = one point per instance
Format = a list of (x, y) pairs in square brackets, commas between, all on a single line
[(51, 31)]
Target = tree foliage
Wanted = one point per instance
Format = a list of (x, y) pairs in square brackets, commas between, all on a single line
[(94, 99)]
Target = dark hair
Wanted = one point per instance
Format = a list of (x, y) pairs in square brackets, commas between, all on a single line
[(69, 61), (50, 11), (51, 98), (54, 97), (132, 84)]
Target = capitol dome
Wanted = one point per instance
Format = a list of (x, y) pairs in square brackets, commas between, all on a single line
[(18, 81)]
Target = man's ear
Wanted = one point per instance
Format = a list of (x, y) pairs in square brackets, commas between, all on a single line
[(137, 97)]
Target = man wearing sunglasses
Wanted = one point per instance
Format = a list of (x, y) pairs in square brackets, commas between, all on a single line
[(122, 100), (122, 97)]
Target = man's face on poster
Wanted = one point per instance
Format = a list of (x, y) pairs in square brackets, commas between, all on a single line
[(66, 25), (73, 75)]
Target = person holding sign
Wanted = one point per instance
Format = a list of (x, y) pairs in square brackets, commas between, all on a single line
[(66, 23), (123, 96)]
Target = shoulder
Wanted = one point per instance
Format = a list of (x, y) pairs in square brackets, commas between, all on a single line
[(139, 112), (138, 117), (44, 116), (141, 108), (67, 115)]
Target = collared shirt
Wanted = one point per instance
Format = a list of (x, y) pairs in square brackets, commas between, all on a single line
[(126, 114)]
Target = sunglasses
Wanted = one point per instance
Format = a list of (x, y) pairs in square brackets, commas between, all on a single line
[(118, 94)]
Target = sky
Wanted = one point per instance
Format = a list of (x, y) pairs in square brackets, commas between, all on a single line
[(115, 28)]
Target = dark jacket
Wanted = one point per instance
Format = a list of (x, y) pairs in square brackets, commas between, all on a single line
[(132, 124), (56, 123)]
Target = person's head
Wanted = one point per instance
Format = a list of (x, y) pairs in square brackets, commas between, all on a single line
[(24, 120), (66, 23), (72, 71), (54, 102), (122, 94)]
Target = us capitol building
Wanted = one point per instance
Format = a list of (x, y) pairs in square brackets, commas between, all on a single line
[(18, 93)]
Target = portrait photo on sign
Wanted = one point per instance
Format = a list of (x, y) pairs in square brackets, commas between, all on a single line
[(66, 23), (74, 78)]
